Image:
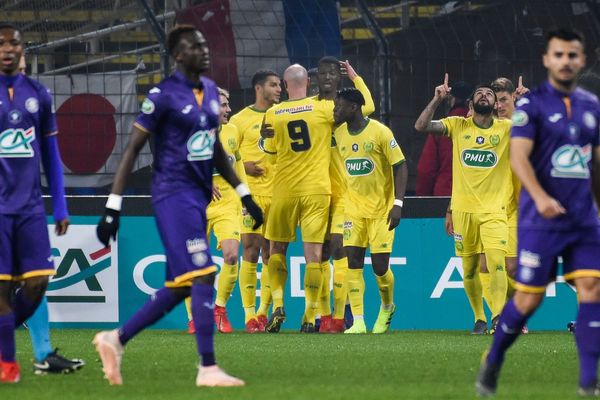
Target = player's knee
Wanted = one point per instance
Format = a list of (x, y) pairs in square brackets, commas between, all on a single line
[(588, 289), (527, 303), (208, 279), (231, 257)]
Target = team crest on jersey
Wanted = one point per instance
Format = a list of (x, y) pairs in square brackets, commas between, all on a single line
[(368, 146), (479, 158), (200, 145), (231, 142), (359, 166), (32, 105), (494, 140), (571, 161), (15, 116), (16, 143), (354, 147), (589, 120), (480, 140)]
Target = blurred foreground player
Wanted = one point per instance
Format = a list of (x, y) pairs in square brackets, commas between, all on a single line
[(28, 137), (183, 114), (555, 152)]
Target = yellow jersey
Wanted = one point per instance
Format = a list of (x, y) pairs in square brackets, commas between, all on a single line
[(368, 157), (229, 137), (248, 121), (301, 147), (513, 202), (481, 174)]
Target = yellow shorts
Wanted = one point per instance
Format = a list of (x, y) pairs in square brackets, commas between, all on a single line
[(310, 212), (477, 232), (511, 249), (363, 232), (224, 222), (336, 216), (264, 202)]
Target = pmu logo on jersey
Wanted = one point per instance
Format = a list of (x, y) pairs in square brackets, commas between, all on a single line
[(479, 158), (571, 161), (86, 285), (200, 145), (359, 166), (16, 143)]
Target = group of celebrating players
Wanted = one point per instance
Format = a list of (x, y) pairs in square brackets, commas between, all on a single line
[(321, 164)]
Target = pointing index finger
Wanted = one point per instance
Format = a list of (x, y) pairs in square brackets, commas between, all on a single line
[(446, 79), (520, 81)]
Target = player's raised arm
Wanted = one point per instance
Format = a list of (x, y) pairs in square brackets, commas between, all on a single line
[(359, 83), (424, 123), (520, 149)]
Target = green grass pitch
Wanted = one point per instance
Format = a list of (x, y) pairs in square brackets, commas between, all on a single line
[(400, 365)]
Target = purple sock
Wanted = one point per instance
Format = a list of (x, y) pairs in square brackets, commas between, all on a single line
[(24, 307), (587, 337), (160, 303), (7, 337), (203, 309), (509, 328)]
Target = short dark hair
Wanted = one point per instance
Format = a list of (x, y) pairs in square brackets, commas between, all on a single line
[(502, 85), (260, 76), (328, 60), (483, 86), (567, 35), (352, 95), (8, 25), (174, 37), (312, 72)]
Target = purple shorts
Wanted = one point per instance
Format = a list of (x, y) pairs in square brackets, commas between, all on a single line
[(540, 249), (24, 247), (181, 221)]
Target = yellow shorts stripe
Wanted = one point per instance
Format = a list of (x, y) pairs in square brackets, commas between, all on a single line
[(189, 276), (6, 277), (39, 272), (582, 273)]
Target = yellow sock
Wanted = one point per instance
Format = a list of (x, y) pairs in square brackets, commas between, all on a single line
[(511, 288), (340, 287), (277, 277), (248, 289), (188, 307), (356, 290), (498, 282), (324, 290), (265, 291), (484, 277), (473, 285), (226, 283), (385, 283), (312, 283)]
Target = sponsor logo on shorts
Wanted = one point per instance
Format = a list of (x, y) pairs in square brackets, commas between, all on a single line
[(458, 242), (196, 245), (529, 259), (571, 161), (526, 274), (199, 259), (359, 166), (479, 158), (347, 224), (247, 220)]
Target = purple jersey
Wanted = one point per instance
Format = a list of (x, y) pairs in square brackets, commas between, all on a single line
[(25, 117), (564, 128), (184, 118)]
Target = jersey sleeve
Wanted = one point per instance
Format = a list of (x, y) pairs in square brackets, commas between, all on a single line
[(150, 111), (389, 147), (524, 119), (369, 107), (450, 124), (47, 116)]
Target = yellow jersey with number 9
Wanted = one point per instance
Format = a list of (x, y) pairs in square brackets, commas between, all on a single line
[(481, 174), (301, 147)]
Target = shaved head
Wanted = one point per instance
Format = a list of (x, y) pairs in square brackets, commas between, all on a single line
[(296, 75)]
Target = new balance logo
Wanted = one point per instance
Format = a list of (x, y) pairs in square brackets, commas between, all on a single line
[(555, 117), (208, 305)]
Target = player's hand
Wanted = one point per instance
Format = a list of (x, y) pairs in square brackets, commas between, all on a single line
[(394, 217), (448, 224), (254, 210), (253, 169), (60, 227), (216, 193), (549, 207), (521, 90), (347, 70), (266, 130), (442, 91), (108, 226)]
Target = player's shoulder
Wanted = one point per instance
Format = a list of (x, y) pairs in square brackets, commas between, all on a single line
[(586, 96), (35, 85)]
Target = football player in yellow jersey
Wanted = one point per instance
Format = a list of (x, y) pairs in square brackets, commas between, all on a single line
[(301, 149), (260, 172), (328, 76), (481, 188), (223, 216), (376, 176)]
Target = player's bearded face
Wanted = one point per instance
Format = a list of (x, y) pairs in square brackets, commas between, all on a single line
[(11, 50), (564, 60), (483, 101), (272, 89)]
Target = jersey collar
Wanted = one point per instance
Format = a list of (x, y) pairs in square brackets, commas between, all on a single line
[(183, 79), (10, 80)]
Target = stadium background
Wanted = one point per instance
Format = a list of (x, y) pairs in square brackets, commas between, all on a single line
[(101, 57)]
